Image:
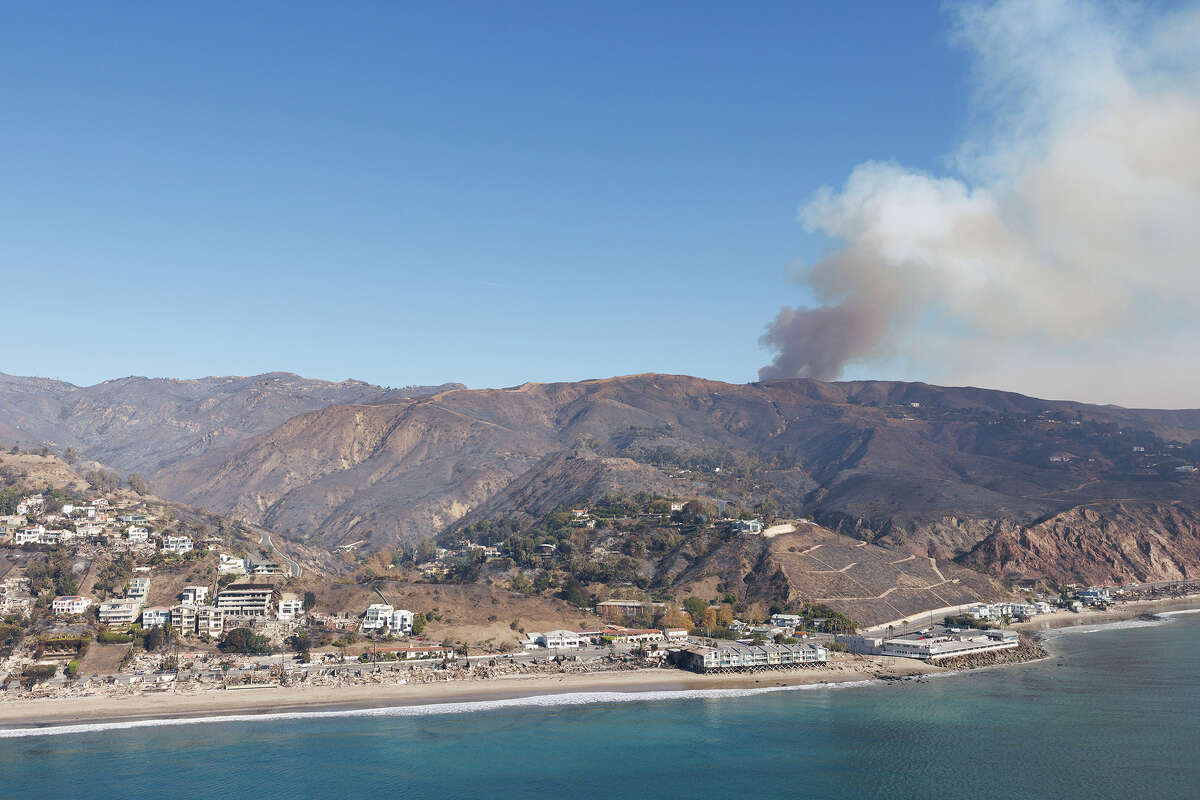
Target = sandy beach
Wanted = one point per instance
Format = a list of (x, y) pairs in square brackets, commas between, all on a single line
[(1124, 611), (275, 699)]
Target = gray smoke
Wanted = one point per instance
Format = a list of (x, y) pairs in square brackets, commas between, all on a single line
[(1067, 237)]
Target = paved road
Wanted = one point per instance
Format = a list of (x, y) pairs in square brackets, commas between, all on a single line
[(266, 542)]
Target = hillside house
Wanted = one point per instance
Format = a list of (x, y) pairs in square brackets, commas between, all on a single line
[(69, 605)]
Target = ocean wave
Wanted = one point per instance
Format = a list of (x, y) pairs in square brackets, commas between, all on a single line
[(1097, 627), (431, 709)]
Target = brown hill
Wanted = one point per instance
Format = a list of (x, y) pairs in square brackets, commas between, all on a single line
[(143, 424), (928, 470)]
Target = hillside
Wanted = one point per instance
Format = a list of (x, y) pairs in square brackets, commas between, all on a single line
[(927, 470), (917, 469), (144, 424)]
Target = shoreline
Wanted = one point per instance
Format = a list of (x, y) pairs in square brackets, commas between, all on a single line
[(40, 713)]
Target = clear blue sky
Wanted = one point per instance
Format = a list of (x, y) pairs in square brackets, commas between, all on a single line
[(489, 193)]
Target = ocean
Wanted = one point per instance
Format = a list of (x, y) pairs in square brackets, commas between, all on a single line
[(1114, 713)]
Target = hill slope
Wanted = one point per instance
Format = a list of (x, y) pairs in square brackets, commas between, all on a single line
[(926, 470), (144, 424)]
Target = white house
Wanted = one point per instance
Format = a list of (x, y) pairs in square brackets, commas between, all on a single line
[(560, 639), (210, 620), (194, 595), (290, 607), (138, 588), (748, 526), (31, 535), (231, 566), (137, 534), (155, 617), (183, 617), (377, 617), (69, 605), (177, 544), (119, 612), (402, 621)]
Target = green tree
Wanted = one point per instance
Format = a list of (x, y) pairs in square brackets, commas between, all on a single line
[(419, 622), (246, 641), (695, 606)]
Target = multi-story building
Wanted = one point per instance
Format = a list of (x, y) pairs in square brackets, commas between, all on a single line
[(138, 588), (30, 535), (183, 617), (210, 621), (69, 605), (377, 617), (290, 606), (177, 544), (137, 534), (120, 612), (194, 595), (156, 616), (247, 600)]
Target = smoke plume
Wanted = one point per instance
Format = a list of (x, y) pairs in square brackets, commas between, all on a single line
[(1062, 247)]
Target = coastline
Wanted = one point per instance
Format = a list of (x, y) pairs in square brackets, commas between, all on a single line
[(30, 713), (840, 670)]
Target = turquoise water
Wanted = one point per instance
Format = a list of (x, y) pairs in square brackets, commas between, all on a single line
[(1115, 714)]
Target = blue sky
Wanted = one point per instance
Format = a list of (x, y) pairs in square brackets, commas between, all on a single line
[(489, 193)]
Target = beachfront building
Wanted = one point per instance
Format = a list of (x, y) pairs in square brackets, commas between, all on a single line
[(738, 657), (932, 648), (156, 616), (247, 600), (120, 612), (560, 640), (69, 605), (617, 633), (417, 651)]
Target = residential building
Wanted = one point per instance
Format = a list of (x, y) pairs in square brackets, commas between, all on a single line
[(560, 640), (210, 621), (137, 534), (247, 600), (786, 620), (69, 605), (747, 526), (416, 651), (156, 616), (402, 621), (737, 656), (30, 535), (138, 588), (290, 606), (377, 617), (177, 544), (194, 595), (229, 565), (183, 617), (626, 609), (674, 634), (120, 612), (263, 566)]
